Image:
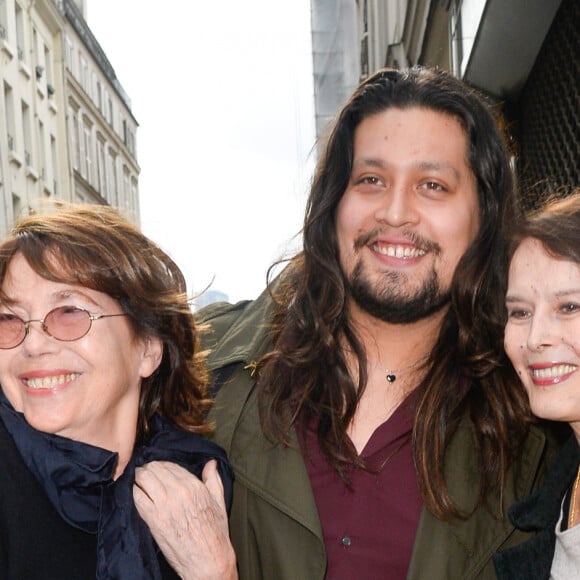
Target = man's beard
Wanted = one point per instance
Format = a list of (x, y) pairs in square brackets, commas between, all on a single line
[(390, 303)]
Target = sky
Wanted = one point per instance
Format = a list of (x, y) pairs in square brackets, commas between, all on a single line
[(222, 92)]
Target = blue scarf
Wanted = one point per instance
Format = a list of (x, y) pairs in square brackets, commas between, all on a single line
[(78, 480)]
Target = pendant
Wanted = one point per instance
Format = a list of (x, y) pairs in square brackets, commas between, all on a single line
[(391, 378)]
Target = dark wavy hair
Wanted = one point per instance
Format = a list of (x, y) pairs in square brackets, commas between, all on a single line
[(95, 247), (468, 370)]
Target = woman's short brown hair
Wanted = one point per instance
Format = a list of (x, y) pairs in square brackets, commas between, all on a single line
[(95, 247)]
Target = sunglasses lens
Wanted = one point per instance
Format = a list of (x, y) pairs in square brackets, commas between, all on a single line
[(67, 323), (12, 330)]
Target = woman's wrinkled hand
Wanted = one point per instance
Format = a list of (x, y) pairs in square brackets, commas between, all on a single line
[(187, 518)]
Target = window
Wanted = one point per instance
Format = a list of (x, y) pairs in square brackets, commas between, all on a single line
[(465, 19), (364, 57), (35, 48), (48, 65), (88, 150), (101, 169), (126, 183), (42, 151), (16, 205), (20, 38), (82, 157), (111, 117), (99, 95), (74, 132), (128, 137), (9, 120), (3, 21), (69, 54), (54, 164), (26, 130), (84, 73), (134, 195), (112, 184)]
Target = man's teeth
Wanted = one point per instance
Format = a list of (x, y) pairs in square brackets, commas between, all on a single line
[(553, 372), (398, 251), (51, 382)]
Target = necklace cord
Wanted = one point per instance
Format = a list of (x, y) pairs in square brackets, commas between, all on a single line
[(391, 374)]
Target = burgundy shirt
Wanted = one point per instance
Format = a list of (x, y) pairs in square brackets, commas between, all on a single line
[(369, 528)]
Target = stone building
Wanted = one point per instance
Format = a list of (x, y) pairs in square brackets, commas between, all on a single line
[(524, 55), (66, 127)]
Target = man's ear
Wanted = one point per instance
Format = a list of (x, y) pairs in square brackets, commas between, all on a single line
[(152, 354)]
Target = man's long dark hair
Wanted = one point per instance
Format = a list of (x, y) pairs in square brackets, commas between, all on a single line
[(306, 371)]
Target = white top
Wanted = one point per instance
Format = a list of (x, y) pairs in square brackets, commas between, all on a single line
[(566, 562)]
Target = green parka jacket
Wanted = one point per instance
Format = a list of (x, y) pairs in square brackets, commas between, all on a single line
[(274, 523)]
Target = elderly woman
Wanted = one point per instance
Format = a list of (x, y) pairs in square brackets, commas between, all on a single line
[(542, 339), (102, 409)]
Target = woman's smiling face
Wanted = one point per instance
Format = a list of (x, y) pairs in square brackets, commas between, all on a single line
[(87, 389), (542, 334)]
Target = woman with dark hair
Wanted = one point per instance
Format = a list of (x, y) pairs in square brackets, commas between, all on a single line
[(542, 339), (102, 409)]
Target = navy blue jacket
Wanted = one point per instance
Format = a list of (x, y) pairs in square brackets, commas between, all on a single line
[(539, 513)]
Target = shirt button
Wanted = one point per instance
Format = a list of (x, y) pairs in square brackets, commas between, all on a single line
[(345, 541)]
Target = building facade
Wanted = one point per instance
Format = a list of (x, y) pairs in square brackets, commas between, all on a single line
[(524, 55), (335, 58), (67, 130)]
